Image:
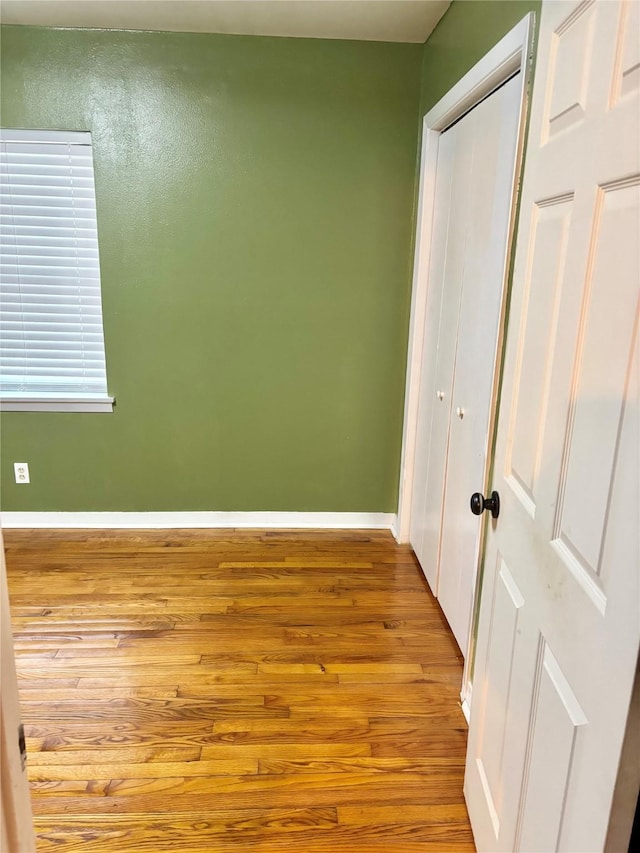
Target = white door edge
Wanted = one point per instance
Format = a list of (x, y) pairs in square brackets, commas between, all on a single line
[(16, 824)]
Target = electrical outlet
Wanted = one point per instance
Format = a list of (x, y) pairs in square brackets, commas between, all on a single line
[(21, 470)]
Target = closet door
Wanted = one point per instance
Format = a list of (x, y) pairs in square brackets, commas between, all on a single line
[(455, 154), (485, 252)]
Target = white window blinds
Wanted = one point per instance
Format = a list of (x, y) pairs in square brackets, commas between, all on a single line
[(51, 338)]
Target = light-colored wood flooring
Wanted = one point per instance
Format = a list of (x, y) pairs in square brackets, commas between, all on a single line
[(236, 690)]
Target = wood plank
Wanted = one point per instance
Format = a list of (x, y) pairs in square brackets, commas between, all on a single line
[(350, 765), (117, 755), (286, 750), (430, 813), (203, 677), (151, 770), (268, 789), (80, 694)]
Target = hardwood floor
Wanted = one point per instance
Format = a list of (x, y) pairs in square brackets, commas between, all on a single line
[(236, 690)]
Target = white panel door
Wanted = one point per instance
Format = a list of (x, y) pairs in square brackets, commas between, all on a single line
[(489, 204), (559, 623), (455, 154), (472, 212)]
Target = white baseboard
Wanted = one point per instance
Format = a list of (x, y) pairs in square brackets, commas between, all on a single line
[(394, 528), (148, 520)]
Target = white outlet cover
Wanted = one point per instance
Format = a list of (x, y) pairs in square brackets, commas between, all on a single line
[(21, 471)]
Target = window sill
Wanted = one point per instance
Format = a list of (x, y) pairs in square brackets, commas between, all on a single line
[(56, 403)]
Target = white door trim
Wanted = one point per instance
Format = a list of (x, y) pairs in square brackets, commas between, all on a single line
[(510, 55), (16, 824)]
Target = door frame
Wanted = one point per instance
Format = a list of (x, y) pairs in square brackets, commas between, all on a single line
[(16, 820), (512, 54)]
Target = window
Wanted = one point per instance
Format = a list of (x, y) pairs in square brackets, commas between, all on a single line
[(51, 339)]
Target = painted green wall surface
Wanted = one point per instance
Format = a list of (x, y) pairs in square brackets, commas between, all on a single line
[(254, 213), (466, 32)]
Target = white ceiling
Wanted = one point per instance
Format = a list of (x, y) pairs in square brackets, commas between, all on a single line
[(369, 20)]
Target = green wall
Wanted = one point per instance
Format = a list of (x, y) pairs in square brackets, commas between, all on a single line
[(254, 213), (466, 32), (255, 208)]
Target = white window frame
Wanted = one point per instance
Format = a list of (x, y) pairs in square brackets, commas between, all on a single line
[(64, 400)]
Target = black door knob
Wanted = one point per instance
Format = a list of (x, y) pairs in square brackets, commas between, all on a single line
[(479, 503)]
